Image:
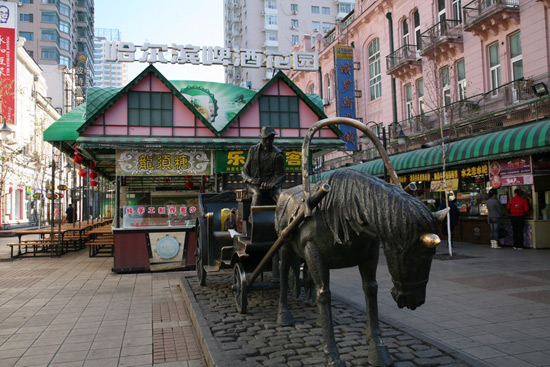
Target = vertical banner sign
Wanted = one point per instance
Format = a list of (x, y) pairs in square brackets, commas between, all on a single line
[(8, 49), (345, 92)]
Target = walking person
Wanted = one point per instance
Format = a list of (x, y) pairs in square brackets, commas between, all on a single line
[(494, 216), (518, 208), (70, 217)]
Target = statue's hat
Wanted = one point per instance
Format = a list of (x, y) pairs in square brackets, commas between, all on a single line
[(267, 131)]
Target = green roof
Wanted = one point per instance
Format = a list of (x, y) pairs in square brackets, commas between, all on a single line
[(96, 98), (520, 140), (66, 127)]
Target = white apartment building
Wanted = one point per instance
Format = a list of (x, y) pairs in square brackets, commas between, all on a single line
[(107, 74), (275, 25)]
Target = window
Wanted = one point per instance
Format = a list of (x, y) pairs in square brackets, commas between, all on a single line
[(416, 17), (328, 88), (26, 1), (26, 18), (494, 67), (271, 36), (294, 8), (271, 4), (295, 39), (461, 79), (49, 17), (457, 10), (409, 102), (442, 13), (345, 8), (311, 89), (54, 2), (375, 77), (279, 111), (315, 26), (18, 210), (81, 17), (446, 86), (405, 27), (49, 35), (315, 10), (516, 58), (327, 27), (420, 94), (29, 36), (65, 9), (49, 54), (271, 20), (326, 10), (64, 44), (150, 109), (294, 23), (64, 27), (64, 60)]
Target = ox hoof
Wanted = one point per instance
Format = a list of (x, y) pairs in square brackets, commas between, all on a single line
[(379, 357), (285, 319)]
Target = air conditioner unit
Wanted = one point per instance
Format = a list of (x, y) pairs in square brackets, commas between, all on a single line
[(326, 102)]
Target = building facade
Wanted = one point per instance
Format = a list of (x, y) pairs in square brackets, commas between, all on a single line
[(107, 74), (59, 34), (275, 26), (25, 163)]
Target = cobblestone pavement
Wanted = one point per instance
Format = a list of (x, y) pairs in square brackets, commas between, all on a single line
[(254, 339)]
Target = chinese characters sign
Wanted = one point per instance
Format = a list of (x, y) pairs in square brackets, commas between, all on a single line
[(474, 171), (135, 216), (511, 172), (8, 17), (345, 92), (233, 161), (207, 55), (163, 163)]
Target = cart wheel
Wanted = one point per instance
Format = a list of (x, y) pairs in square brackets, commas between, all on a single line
[(239, 287), (310, 291), (201, 246)]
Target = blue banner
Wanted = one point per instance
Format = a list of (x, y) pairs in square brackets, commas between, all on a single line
[(345, 92)]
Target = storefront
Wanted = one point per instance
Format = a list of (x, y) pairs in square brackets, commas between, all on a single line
[(514, 158), (162, 143)]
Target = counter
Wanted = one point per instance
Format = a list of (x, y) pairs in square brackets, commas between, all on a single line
[(154, 248)]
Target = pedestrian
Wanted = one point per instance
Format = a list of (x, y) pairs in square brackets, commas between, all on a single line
[(453, 214), (69, 214), (494, 216), (518, 208)]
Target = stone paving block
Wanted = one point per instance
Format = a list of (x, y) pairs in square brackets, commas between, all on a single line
[(105, 362), (74, 356)]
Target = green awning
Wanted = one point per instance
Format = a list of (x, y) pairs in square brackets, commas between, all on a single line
[(65, 128), (140, 142), (520, 140)]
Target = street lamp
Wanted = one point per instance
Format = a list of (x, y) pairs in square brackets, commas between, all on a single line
[(401, 136), (5, 131)]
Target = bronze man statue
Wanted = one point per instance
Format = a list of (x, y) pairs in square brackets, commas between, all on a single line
[(264, 169)]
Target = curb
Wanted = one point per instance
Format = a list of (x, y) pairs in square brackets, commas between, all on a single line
[(208, 345)]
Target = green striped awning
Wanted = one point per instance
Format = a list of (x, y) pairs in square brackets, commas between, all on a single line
[(214, 143), (521, 140)]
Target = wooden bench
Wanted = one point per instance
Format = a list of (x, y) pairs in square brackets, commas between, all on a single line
[(103, 246), (37, 248)]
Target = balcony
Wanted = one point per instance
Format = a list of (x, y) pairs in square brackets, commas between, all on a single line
[(405, 62), (482, 17), (443, 40)]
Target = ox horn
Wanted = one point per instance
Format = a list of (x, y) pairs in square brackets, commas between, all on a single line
[(441, 214), (430, 240)]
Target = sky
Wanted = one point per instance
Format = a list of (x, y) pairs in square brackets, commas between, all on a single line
[(195, 22)]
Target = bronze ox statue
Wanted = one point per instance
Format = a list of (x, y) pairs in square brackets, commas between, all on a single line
[(359, 213)]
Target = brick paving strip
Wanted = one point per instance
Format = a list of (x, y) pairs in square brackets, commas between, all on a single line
[(254, 339)]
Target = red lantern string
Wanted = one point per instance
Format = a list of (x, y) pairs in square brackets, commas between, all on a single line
[(92, 165), (93, 183), (93, 174), (189, 184), (82, 172), (77, 159)]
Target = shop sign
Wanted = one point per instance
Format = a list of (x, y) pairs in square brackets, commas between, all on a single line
[(448, 175), (403, 179), (233, 161), (208, 55), (8, 50), (419, 177), (345, 92), (541, 166), (163, 163), (28, 190), (511, 172), (474, 171), (136, 216), (452, 184)]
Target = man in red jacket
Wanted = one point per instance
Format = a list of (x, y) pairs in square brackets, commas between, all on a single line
[(518, 207)]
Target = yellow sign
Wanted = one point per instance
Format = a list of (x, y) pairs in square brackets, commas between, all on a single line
[(474, 171), (415, 177), (448, 175), (452, 184)]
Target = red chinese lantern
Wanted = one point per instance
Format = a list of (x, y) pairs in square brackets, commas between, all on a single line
[(189, 185), (77, 159), (82, 172), (93, 174), (92, 165), (93, 183)]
